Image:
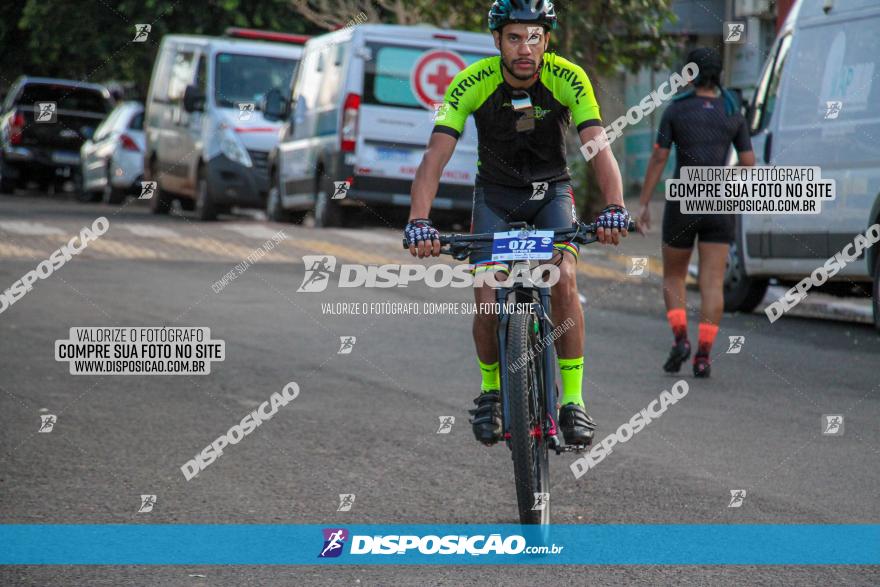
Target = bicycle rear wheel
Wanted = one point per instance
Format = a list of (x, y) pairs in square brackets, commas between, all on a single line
[(529, 447)]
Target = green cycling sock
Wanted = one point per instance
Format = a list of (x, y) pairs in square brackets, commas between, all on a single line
[(491, 376), (572, 371)]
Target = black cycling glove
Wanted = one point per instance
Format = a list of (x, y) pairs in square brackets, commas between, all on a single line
[(613, 216), (420, 229)]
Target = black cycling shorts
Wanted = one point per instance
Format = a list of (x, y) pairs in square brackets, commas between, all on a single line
[(495, 207), (681, 230)]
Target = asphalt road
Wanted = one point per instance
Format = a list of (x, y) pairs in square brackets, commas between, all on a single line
[(365, 423)]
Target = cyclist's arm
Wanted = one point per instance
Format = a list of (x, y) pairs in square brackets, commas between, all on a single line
[(449, 123), (605, 166), (424, 187), (576, 93)]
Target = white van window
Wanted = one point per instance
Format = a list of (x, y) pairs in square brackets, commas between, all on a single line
[(768, 88), (162, 75), (833, 74), (331, 80), (247, 78), (387, 74), (181, 74)]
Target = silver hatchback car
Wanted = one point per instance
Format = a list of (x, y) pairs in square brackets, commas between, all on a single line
[(113, 158)]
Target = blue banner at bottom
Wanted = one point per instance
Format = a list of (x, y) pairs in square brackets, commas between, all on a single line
[(234, 544)]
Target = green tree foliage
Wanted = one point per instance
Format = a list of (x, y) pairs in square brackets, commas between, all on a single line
[(92, 40)]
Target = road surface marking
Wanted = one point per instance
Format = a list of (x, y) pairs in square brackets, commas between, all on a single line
[(28, 228), (10, 250), (148, 230), (371, 237), (226, 250), (250, 230)]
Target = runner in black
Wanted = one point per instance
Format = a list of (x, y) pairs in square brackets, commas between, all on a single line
[(523, 102), (702, 123)]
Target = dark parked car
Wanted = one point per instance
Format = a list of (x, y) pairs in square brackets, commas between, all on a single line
[(43, 124)]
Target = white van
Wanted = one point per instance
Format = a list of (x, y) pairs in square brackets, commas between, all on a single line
[(360, 116), (207, 140), (828, 51)]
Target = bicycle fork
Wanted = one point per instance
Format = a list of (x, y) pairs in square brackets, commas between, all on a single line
[(548, 371)]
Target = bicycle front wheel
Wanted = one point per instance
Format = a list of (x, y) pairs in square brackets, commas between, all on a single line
[(531, 460)]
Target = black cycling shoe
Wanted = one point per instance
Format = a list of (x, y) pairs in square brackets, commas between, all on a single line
[(577, 426), (680, 352), (486, 419), (702, 366)]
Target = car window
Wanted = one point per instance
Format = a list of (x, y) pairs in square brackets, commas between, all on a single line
[(247, 78), (137, 121), (833, 75), (106, 127), (387, 75), (162, 74), (181, 74), (768, 88), (202, 76), (331, 80), (66, 97), (308, 82)]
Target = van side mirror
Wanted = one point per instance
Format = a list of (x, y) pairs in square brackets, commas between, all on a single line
[(274, 105), (193, 99)]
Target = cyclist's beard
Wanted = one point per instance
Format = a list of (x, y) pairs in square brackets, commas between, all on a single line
[(521, 77)]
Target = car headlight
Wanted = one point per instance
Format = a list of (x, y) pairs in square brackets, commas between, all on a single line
[(232, 147)]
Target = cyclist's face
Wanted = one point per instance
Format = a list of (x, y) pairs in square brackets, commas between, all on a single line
[(522, 48)]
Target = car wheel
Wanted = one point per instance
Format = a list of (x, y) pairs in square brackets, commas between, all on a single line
[(876, 292), (160, 203), (741, 292), (206, 210), (274, 207), (328, 213), (112, 195), (7, 184)]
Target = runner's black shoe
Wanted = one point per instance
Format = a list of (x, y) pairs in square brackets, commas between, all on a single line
[(702, 366), (486, 419), (680, 352), (577, 426)]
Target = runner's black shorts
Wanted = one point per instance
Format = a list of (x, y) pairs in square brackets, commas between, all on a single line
[(496, 206), (681, 230)]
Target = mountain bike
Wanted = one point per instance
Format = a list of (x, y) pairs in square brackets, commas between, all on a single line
[(529, 387)]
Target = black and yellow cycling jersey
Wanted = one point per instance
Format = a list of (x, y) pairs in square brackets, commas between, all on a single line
[(507, 157)]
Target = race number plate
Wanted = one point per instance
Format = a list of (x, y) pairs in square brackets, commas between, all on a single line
[(519, 245)]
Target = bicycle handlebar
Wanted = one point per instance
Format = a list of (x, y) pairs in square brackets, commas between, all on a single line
[(577, 233)]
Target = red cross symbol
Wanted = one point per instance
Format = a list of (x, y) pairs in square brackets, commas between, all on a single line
[(440, 79)]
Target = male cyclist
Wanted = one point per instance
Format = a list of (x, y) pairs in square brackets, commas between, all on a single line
[(523, 102)]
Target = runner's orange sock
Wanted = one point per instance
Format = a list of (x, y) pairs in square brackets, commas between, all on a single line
[(708, 331), (678, 321)]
